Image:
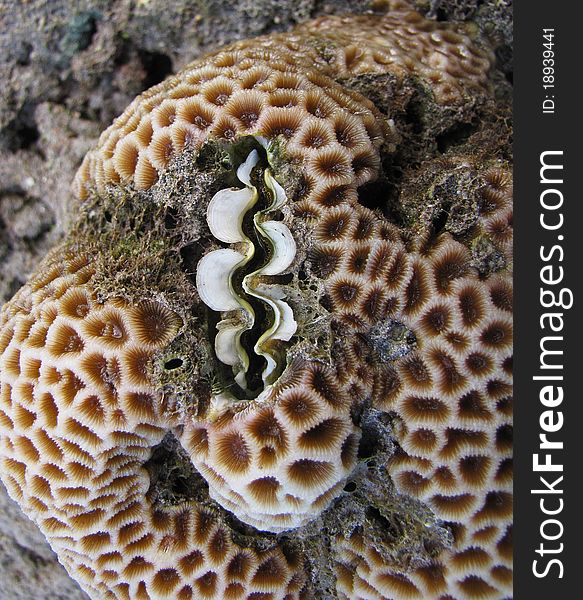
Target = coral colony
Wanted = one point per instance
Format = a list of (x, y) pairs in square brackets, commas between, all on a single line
[(230, 347)]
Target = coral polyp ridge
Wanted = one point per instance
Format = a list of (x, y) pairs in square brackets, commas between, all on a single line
[(234, 380)]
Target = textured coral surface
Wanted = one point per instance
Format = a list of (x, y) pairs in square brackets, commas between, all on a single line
[(119, 423), (278, 85)]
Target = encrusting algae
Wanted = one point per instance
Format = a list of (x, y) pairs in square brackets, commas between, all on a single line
[(231, 345)]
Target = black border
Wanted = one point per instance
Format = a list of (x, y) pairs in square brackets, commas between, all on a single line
[(536, 132)]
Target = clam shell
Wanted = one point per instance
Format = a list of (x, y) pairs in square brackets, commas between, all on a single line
[(282, 244), (225, 214), (213, 279), (245, 168), (228, 343), (283, 327), (279, 196), (226, 211)]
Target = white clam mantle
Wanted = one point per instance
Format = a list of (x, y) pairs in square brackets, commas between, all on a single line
[(215, 274)]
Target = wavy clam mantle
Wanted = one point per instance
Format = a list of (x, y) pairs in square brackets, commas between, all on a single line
[(232, 352), (225, 284)]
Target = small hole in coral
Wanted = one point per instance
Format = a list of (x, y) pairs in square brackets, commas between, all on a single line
[(368, 443), (441, 15), (171, 218), (392, 528), (173, 363), (375, 195), (350, 487)]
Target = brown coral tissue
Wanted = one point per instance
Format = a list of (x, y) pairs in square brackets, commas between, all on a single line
[(272, 359)]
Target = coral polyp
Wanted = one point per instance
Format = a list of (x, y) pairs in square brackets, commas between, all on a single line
[(234, 349)]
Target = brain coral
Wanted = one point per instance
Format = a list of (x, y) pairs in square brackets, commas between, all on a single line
[(189, 373)]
